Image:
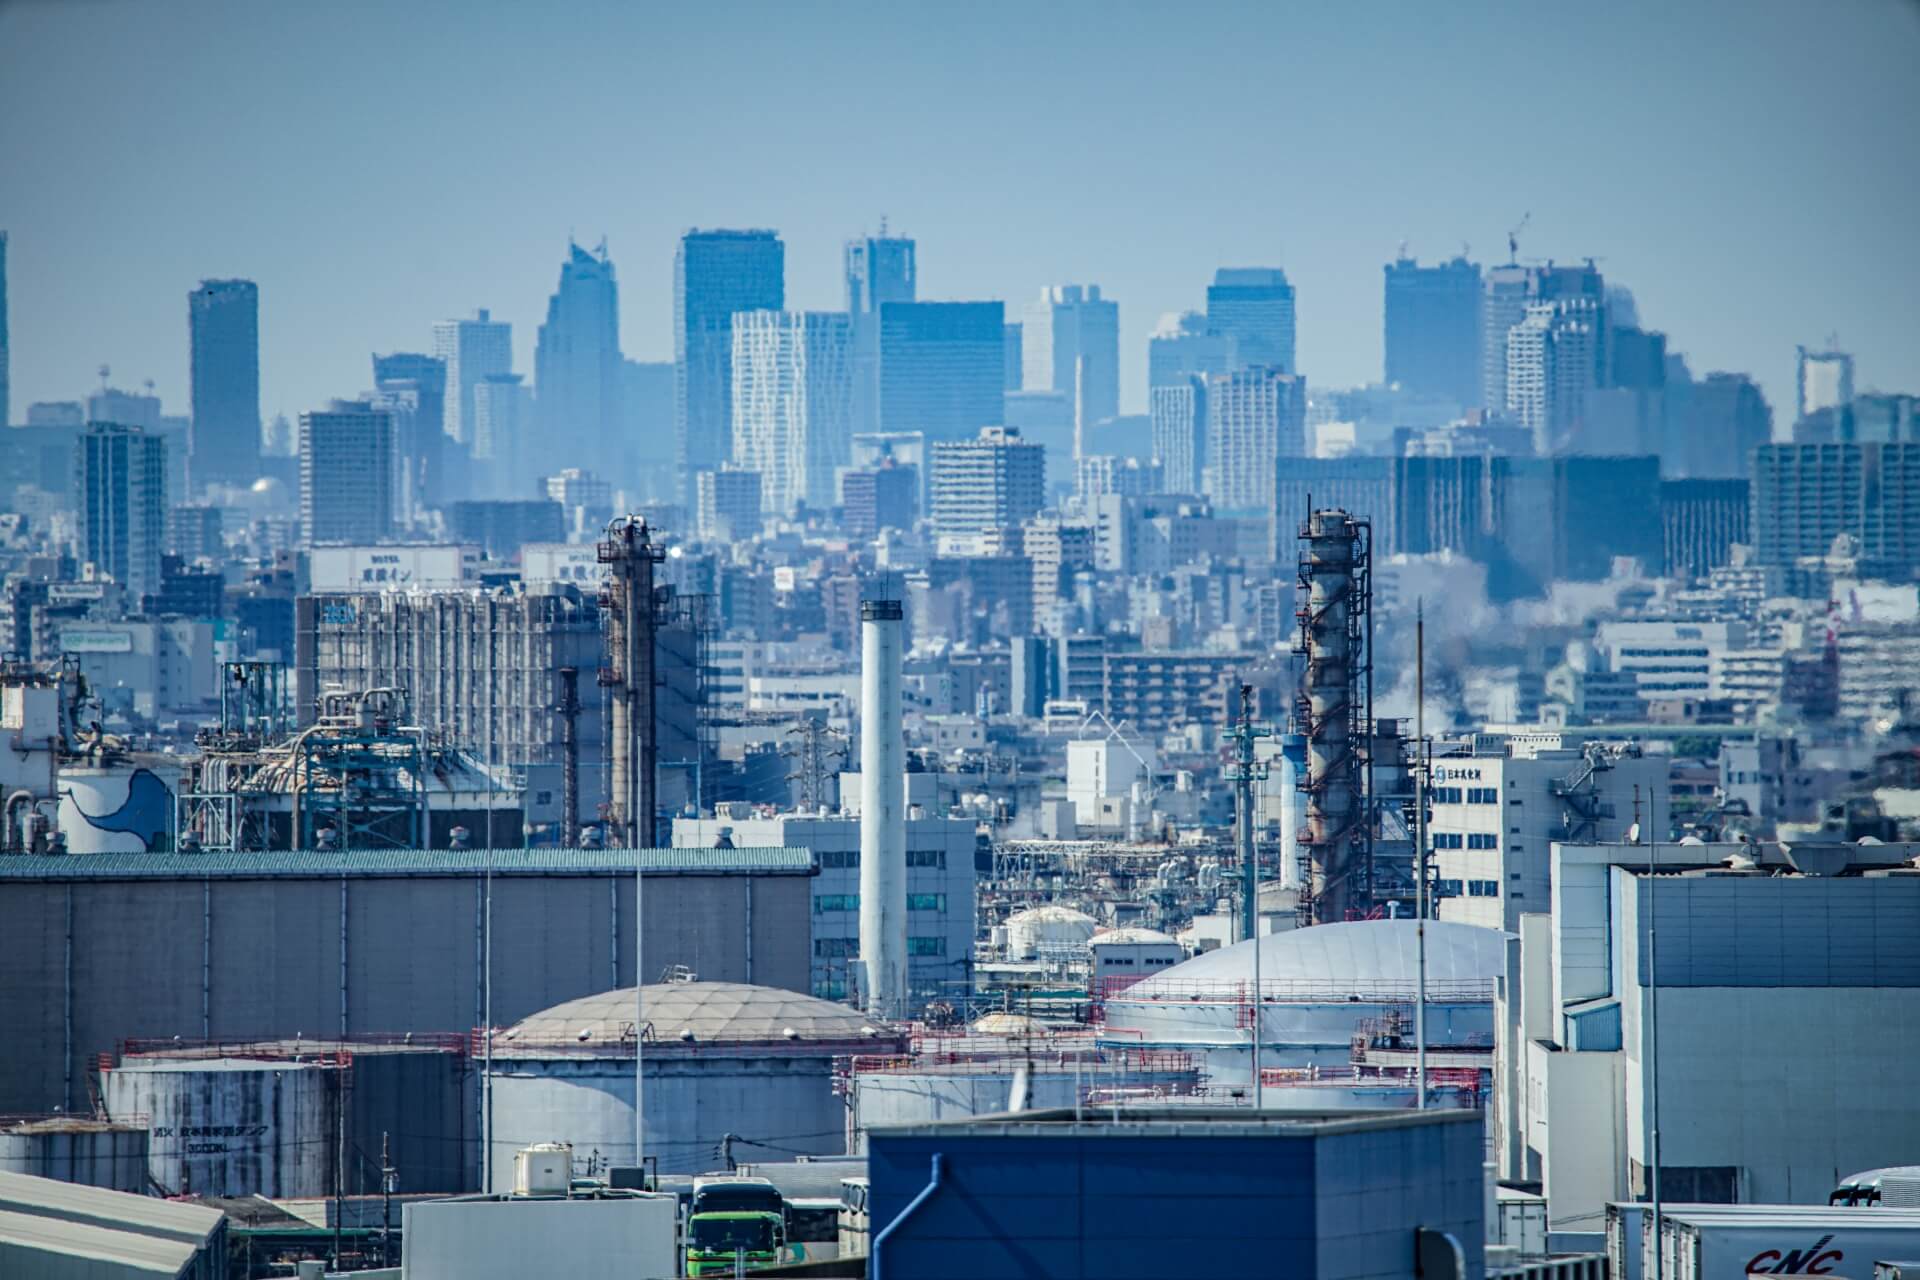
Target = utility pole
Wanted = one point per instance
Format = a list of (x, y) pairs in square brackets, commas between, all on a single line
[(386, 1204), (1243, 775), (1420, 848)]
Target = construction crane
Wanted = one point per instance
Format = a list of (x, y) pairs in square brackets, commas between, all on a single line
[(1513, 238)]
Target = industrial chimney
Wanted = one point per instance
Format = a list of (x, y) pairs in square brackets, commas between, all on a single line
[(883, 821)]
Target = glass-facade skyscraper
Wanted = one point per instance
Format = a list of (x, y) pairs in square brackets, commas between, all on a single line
[(1254, 307), (1433, 329), (121, 474), (474, 350), (1071, 344), (942, 368), (715, 274), (879, 270), (577, 367), (223, 434)]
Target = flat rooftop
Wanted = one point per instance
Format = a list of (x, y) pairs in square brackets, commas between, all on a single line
[(1178, 1122), (309, 864)]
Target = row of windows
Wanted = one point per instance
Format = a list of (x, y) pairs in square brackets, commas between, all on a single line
[(1469, 795), (915, 858), (847, 948), (1473, 888), (1471, 840), (851, 902), (1127, 962)]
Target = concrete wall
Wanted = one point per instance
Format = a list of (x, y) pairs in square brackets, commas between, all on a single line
[(90, 961)]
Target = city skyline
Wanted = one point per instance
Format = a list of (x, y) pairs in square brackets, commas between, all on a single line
[(1737, 257)]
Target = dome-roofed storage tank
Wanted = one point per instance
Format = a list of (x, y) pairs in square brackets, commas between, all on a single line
[(1037, 931), (1318, 987), (719, 1058)]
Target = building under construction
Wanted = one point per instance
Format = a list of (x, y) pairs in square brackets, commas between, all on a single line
[(1334, 710)]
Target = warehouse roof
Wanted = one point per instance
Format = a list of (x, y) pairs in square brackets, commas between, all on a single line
[(695, 1013), (131, 1252), (68, 1202), (329, 864)]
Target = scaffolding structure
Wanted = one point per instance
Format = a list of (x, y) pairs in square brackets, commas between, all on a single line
[(1334, 708)]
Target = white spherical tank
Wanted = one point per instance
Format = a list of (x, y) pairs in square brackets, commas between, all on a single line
[(120, 807), (1040, 930), (232, 1126), (719, 1058)]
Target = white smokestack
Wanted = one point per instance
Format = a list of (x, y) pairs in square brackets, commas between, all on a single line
[(883, 818)]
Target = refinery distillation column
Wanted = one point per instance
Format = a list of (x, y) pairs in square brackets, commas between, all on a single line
[(628, 677), (1333, 709), (883, 819)]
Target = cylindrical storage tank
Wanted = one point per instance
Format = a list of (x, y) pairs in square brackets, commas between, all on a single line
[(914, 1094), (92, 1153), (883, 816), (232, 1126), (1040, 930), (121, 807), (1319, 985), (719, 1058)]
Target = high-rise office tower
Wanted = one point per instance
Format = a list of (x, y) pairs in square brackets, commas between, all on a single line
[(472, 351), (1433, 329), (346, 474), (1725, 419), (223, 435), (6, 354), (121, 474), (1180, 433), (1551, 370), (942, 368), (715, 273), (878, 271), (1825, 378), (994, 481), (1506, 293), (1015, 358), (1255, 417), (412, 389), (504, 450), (1254, 307), (577, 366), (1070, 342), (792, 387), (1184, 347)]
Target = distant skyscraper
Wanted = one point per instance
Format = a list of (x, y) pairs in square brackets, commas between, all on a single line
[(1254, 307), (1551, 369), (792, 386), (1433, 329), (1254, 418), (1825, 377), (223, 440), (878, 271), (1015, 358), (505, 449), (121, 474), (412, 389), (646, 399), (727, 505), (1507, 291), (346, 474), (715, 273), (472, 350), (577, 367), (942, 368), (1180, 433), (994, 481), (1067, 325), (6, 352), (1727, 417), (1806, 495), (1183, 347)]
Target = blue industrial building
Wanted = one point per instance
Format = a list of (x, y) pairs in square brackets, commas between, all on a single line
[(1177, 1192)]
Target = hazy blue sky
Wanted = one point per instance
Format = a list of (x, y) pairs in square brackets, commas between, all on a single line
[(1749, 168)]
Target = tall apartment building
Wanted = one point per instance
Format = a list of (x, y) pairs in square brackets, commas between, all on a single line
[(994, 481), (121, 474), (1508, 290), (715, 274), (1806, 495), (347, 474), (472, 350), (1254, 307), (1185, 347), (223, 441), (1551, 369), (1499, 806), (1433, 329), (1255, 417), (792, 404), (1057, 549), (1179, 412), (1070, 339), (578, 370), (941, 368), (878, 270)]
